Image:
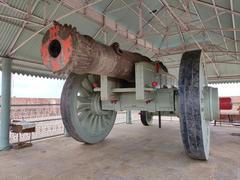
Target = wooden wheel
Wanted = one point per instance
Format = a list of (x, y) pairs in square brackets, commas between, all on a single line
[(81, 110), (195, 129), (146, 118)]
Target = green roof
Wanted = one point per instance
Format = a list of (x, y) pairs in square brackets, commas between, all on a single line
[(160, 29)]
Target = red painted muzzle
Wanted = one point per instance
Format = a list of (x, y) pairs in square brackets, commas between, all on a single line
[(57, 47)]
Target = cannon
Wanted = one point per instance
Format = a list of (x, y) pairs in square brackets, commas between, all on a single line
[(105, 79)]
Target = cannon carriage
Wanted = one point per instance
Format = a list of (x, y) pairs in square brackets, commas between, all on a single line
[(105, 79)]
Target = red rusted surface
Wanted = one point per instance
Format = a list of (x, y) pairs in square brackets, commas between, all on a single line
[(225, 103), (57, 63), (81, 54)]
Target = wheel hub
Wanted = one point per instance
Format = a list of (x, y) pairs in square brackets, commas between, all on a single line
[(211, 103)]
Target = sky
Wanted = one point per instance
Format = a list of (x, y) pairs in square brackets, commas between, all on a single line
[(228, 89), (34, 87), (27, 86)]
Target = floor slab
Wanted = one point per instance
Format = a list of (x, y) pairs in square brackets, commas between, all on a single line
[(129, 152)]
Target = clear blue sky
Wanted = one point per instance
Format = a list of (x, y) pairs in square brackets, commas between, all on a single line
[(27, 86)]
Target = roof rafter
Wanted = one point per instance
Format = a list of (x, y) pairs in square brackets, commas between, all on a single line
[(217, 7), (213, 64), (97, 17), (220, 25), (136, 13), (234, 27), (173, 14), (5, 4), (102, 27), (27, 17)]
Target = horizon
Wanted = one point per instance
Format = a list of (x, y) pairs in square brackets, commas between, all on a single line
[(24, 86)]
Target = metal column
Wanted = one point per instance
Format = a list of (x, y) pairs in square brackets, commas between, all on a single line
[(5, 102), (159, 120), (128, 117)]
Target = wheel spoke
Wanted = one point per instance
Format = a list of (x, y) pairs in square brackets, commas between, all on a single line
[(84, 92), (107, 116), (83, 99), (87, 85), (99, 125), (102, 122), (83, 107), (94, 124), (84, 115)]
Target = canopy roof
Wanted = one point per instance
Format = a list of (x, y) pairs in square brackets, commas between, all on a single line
[(160, 29)]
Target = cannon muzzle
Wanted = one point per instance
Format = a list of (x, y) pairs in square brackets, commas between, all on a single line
[(66, 51)]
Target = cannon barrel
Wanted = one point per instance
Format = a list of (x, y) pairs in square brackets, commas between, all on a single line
[(66, 51)]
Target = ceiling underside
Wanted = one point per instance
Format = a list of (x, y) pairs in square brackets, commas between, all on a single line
[(160, 29)]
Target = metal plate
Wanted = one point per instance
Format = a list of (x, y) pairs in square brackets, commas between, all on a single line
[(195, 129)]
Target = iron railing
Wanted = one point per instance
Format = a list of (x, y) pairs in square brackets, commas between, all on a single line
[(46, 127)]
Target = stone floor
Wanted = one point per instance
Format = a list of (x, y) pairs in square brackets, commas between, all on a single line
[(130, 152)]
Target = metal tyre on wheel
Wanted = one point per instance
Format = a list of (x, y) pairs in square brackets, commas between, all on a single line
[(195, 129), (146, 118), (81, 110)]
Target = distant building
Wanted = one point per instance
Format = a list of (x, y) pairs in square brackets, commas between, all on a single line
[(31, 108)]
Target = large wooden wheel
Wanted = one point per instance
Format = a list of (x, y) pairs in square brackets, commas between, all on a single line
[(195, 129), (81, 110)]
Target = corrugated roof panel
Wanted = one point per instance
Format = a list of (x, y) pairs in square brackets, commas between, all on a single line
[(222, 57), (22, 5), (238, 45), (204, 11), (7, 35), (230, 45), (165, 17), (127, 18), (230, 69), (39, 10), (33, 69), (174, 3), (10, 27), (153, 4), (226, 22), (170, 42), (17, 15), (236, 6), (210, 71), (237, 23), (32, 48), (198, 36), (119, 6), (44, 9), (223, 3), (102, 5), (155, 39), (215, 37)]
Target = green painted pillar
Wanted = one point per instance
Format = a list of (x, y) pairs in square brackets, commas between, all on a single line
[(128, 117), (5, 104)]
